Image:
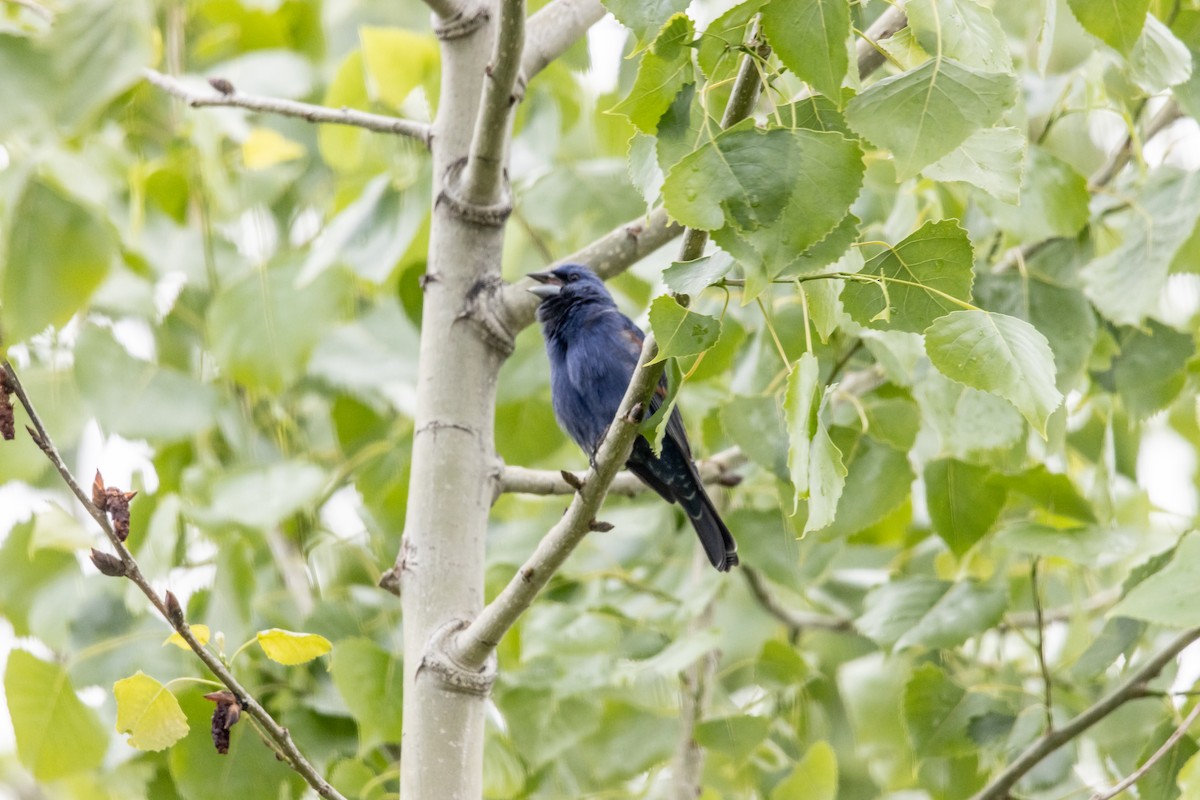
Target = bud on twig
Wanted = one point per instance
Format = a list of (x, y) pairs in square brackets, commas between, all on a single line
[(221, 85), (108, 565), (174, 610), (115, 503), (8, 425), (225, 716)]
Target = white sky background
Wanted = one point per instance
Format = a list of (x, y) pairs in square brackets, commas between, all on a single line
[(1166, 463)]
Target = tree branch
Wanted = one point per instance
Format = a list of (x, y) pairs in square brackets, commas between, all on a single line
[(167, 606), (288, 108), (522, 480), (553, 29), (474, 644), (446, 9), (1131, 689), (483, 179), (870, 55), (687, 766), (796, 621), (1138, 773)]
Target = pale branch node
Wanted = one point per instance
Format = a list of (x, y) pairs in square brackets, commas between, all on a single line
[(473, 646), (717, 470), (1131, 688), (222, 93), (553, 29), (169, 610), (447, 9), (484, 179), (1159, 754)]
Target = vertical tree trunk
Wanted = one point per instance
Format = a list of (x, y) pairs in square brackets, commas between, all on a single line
[(441, 564)]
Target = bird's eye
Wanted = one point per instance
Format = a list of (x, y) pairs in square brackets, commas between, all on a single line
[(573, 278)]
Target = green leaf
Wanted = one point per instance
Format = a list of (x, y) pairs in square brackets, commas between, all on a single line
[(1090, 546), (1168, 599), (814, 778), (809, 36), (58, 253), (826, 479), (989, 159), (1159, 60), (262, 498), (816, 258), (371, 683), (98, 50), (967, 421), (290, 648), (31, 573), (879, 479), (938, 713), (679, 331), (922, 277), (998, 354), (691, 277), (1054, 200), (1149, 372), (923, 114), (47, 716), (743, 177), (815, 113), (963, 501), (1125, 283), (735, 737), (799, 410), (961, 29), (135, 398), (265, 326), (756, 425), (1051, 491), (1117, 23), (397, 61), (1118, 637), (664, 70), (149, 713), (930, 613), (645, 17), (826, 175), (1061, 313)]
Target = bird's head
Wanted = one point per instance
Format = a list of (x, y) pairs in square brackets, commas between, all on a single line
[(567, 287)]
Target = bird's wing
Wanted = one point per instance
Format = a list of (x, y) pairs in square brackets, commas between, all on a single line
[(675, 430)]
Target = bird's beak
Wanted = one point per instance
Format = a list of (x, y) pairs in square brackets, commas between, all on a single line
[(551, 284)]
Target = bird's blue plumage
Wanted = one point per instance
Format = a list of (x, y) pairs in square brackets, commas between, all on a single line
[(593, 350)]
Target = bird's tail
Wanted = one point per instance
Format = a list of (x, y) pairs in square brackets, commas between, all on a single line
[(718, 542)]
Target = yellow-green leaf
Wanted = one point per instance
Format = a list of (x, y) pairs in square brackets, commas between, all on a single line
[(397, 61), (265, 148), (47, 715), (681, 332), (201, 633), (289, 647), (149, 713)]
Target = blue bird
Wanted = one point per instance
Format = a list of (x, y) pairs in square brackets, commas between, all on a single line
[(593, 350)]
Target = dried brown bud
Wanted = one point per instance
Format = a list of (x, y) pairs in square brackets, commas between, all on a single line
[(221, 85), (225, 716), (108, 565), (98, 497), (600, 526), (729, 479), (572, 480), (116, 503), (174, 610), (8, 424)]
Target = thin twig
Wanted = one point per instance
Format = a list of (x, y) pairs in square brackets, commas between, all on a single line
[(687, 766), (1138, 773), (522, 480), (1131, 689), (1047, 696), (796, 621), (133, 572), (289, 108), (483, 177)]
